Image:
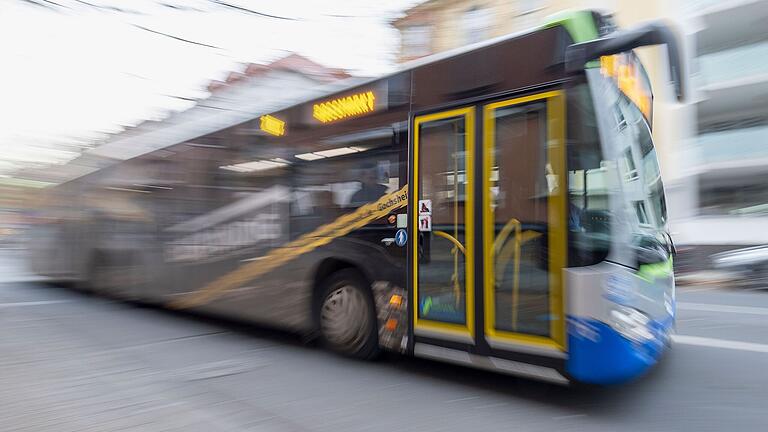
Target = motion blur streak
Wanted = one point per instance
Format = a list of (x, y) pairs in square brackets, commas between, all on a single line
[(537, 214), (720, 343)]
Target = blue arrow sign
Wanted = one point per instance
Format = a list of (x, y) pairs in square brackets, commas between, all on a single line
[(401, 238)]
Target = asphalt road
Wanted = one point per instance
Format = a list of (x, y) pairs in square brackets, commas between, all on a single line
[(69, 362)]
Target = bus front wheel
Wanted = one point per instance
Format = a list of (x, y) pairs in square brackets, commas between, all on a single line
[(347, 315)]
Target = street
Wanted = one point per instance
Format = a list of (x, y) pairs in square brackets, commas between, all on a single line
[(72, 362)]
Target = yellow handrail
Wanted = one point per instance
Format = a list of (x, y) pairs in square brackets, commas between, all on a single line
[(504, 233), (455, 277), (502, 253), (503, 256), (452, 239)]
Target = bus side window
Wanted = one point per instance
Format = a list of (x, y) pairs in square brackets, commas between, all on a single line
[(329, 188), (588, 209), (521, 181)]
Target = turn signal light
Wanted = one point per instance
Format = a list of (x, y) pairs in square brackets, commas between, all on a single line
[(391, 324), (396, 300)]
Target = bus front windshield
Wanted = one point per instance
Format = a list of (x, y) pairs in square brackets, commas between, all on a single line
[(638, 165), (652, 175), (622, 152), (639, 194)]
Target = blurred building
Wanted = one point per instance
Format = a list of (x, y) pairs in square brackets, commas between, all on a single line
[(439, 25), (718, 166), (241, 96)]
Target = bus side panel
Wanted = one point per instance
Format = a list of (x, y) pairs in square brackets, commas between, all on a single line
[(250, 244), (516, 64)]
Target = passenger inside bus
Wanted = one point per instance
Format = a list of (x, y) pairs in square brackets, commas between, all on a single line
[(370, 189)]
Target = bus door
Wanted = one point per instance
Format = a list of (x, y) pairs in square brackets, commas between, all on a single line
[(489, 222), (524, 222), (442, 215)]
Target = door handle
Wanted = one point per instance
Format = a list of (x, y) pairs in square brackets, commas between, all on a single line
[(388, 241)]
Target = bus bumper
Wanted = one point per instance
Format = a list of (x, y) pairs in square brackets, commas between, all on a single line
[(598, 354)]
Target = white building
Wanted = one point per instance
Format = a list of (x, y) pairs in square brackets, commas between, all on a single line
[(719, 167)]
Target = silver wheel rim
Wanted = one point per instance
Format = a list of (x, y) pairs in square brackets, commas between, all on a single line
[(344, 318)]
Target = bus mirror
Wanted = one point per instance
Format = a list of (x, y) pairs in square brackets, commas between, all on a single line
[(655, 33)]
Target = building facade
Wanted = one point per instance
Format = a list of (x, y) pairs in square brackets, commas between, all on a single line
[(726, 155), (439, 25)]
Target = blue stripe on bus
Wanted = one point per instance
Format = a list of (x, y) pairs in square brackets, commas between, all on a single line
[(598, 354)]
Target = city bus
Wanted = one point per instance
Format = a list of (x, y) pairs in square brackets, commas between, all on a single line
[(499, 206)]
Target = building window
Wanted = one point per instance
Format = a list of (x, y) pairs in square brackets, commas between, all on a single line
[(642, 213), (734, 198), (477, 24), (416, 40)]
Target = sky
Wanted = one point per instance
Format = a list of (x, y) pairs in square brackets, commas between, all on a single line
[(74, 71)]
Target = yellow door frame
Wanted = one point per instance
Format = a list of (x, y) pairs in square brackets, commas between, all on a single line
[(556, 215), (465, 332)]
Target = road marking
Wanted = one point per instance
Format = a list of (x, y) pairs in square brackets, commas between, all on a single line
[(723, 308), (720, 343), (681, 320), (33, 303), (493, 405), (24, 279), (568, 417), (692, 290), (463, 399)]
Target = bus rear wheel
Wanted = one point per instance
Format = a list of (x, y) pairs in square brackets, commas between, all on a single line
[(347, 315)]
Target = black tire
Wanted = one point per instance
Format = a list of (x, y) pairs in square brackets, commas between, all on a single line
[(347, 316)]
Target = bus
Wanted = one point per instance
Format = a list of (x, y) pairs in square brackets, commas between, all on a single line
[(499, 206)]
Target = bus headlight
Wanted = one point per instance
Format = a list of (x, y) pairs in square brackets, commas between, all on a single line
[(631, 324)]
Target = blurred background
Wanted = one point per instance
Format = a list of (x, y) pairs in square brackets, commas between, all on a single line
[(92, 83), (87, 84)]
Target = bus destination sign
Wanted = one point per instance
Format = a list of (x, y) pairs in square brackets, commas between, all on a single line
[(344, 107), (272, 125)]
